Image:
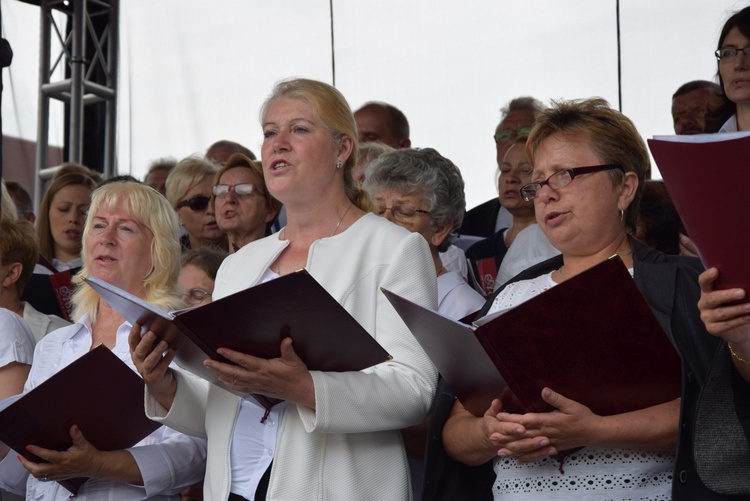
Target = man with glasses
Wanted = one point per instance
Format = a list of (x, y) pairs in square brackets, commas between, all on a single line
[(689, 105), (517, 121)]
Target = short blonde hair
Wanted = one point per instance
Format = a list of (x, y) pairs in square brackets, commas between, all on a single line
[(18, 245), (187, 173), (8, 208), (147, 206)]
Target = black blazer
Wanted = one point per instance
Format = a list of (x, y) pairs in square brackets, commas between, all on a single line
[(480, 221)]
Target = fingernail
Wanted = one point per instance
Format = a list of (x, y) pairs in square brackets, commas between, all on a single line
[(739, 293), (544, 443)]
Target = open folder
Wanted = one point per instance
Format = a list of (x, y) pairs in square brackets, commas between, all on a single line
[(97, 392), (255, 321), (708, 176), (592, 339)]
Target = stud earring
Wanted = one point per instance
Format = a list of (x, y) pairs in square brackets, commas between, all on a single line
[(339, 164)]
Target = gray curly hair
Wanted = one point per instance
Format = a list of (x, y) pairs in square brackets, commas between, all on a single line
[(424, 169)]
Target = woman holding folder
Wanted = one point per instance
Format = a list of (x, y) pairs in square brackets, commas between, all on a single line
[(589, 167), (129, 240), (336, 434)]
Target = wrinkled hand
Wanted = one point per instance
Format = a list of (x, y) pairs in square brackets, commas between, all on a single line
[(570, 425), (285, 377), (721, 317), (152, 359), (80, 460)]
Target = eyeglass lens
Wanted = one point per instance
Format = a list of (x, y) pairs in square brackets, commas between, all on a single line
[(222, 190)]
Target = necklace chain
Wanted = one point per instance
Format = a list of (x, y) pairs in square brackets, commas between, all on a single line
[(559, 271), (278, 265)]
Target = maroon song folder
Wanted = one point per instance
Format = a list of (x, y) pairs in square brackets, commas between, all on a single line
[(255, 321), (591, 338), (98, 392), (707, 176)]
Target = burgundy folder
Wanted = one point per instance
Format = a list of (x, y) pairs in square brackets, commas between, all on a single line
[(255, 321), (707, 176), (97, 392), (591, 338)]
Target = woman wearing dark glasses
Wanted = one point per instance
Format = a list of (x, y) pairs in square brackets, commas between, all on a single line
[(245, 210), (189, 192)]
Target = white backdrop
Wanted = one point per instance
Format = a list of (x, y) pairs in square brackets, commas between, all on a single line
[(193, 72)]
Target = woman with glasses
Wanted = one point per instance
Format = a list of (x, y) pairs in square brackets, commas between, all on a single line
[(198, 274), (245, 210), (336, 435), (732, 112), (129, 240), (589, 167), (423, 191), (189, 191)]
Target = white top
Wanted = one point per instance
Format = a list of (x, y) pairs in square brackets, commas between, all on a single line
[(504, 219), (59, 266), (41, 323), (16, 340), (169, 461), (591, 474), (528, 248), (456, 298), (350, 447), (454, 259), (730, 125)]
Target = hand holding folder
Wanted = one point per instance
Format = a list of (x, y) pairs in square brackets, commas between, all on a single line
[(592, 339), (255, 321), (97, 392)]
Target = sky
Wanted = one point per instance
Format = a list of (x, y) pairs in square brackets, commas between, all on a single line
[(192, 74)]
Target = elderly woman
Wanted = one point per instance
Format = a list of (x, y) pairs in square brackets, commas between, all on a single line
[(336, 436), (423, 191), (130, 240), (732, 112), (244, 208), (189, 191), (198, 274), (589, 165)]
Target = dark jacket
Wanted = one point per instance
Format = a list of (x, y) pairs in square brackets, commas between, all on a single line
[(481, 220), (670, 286)]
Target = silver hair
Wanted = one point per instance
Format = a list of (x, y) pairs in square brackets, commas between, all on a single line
[(523, 103), (410, 170)]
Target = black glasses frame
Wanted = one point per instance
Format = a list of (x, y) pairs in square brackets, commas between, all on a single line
[(196, 203), (745, 51), (530, 191)]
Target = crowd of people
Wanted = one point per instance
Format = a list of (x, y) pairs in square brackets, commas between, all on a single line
[(345, 196)]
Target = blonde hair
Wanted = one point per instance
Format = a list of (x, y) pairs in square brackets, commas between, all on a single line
[(331, 108), (8, 209), (147, 206), (187, 173), (18, 245)]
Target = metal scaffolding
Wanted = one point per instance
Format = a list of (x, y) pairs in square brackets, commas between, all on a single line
[(90, 49)]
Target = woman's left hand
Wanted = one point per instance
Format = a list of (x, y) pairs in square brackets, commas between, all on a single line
[(80, 460), (285, 377), (570, 425)]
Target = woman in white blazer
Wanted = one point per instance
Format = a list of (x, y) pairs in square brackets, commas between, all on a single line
[(336, 435)]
